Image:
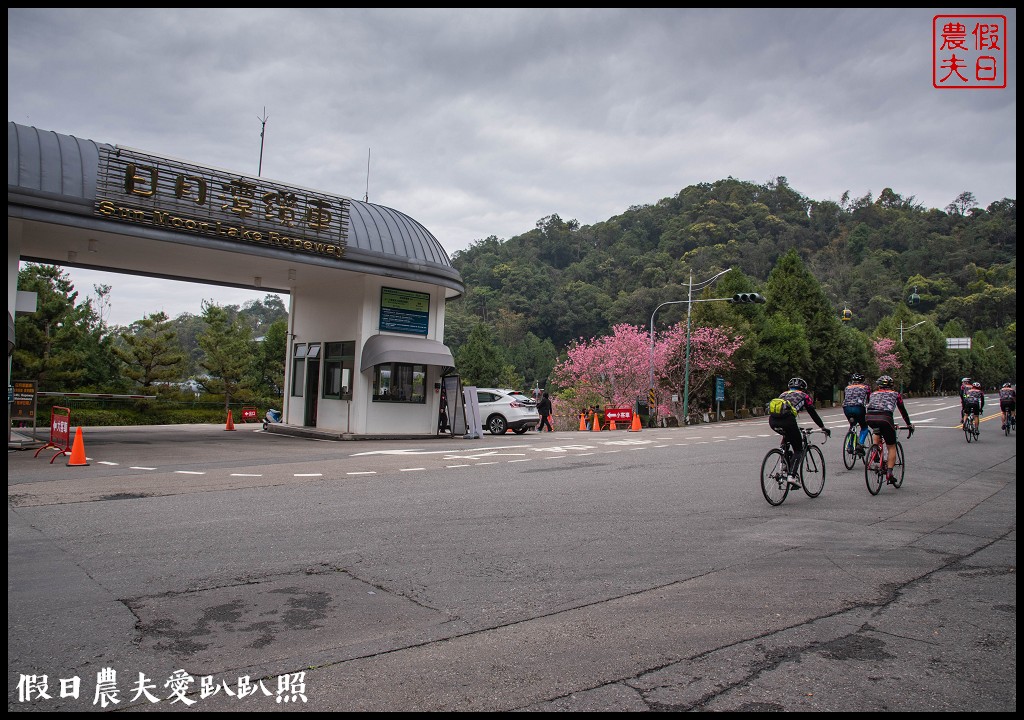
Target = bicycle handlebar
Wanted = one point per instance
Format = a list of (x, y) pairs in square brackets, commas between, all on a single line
[(908, 428), (808, 431)]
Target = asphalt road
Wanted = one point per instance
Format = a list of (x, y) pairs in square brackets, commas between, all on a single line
[(570, 571)]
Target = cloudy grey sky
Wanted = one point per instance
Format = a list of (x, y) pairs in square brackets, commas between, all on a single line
[(481, 122)]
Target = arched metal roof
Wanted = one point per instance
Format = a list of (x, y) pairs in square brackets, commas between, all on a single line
[(56, 172)]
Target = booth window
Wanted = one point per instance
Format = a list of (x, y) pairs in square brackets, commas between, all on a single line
[(400, 382), (339, 364), (298, 369)]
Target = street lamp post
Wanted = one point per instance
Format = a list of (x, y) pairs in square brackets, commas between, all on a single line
[(909, 328), (901, 339), (689, 304)]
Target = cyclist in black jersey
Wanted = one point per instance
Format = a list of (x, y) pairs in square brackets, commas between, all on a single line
[(881, 406)]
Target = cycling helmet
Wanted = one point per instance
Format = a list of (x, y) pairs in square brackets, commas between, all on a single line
[(797, 384), (1007, 385), (884, 382), (977, 385), (965, 381), (857, 377)]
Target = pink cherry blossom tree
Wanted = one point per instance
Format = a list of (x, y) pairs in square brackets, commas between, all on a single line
[(616, 369), (886, 356), (711, 352), (610, 370)]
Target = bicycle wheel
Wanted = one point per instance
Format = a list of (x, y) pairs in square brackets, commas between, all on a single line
[(969, 428), (773, 477), (874, 470), (899, 468), (850, 449), (1006, 427), (976, 427), (812, 471)]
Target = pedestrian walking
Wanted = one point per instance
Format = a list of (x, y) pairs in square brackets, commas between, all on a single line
[(544, 408)]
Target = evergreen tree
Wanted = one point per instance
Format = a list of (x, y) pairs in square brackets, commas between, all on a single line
[(268, 368), (150, 351), (227, 352), (480, 362), (796, 294), (51, 342)]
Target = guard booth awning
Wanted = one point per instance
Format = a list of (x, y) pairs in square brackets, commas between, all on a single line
[(397, 348)]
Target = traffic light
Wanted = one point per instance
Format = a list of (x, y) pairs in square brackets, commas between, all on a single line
[(748, 298)]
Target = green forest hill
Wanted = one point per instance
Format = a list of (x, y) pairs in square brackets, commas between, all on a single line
[(887, 260), (895, 269)]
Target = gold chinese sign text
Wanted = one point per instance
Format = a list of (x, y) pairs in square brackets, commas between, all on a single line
[(144, 189)]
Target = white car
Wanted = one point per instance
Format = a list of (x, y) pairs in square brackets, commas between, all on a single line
[(502, 410)]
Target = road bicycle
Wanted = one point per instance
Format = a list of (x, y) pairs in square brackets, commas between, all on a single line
[(1011, 422), (971, 431), (877, 464), (852, 447), (775, 470)]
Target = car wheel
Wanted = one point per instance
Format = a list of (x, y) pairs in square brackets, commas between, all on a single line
[(497, 425), (520, 431)]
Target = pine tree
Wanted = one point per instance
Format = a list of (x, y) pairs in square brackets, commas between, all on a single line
[(227, 352)]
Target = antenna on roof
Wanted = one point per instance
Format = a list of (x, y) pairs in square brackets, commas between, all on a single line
[(263, 129), (366, 197)]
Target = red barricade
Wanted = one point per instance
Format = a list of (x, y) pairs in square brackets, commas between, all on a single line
[(60, 432)]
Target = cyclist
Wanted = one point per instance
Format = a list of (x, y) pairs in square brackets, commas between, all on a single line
[(855, 397), (882, 404), (965, 385), (795, 399), (974, 402), (1008, 403)]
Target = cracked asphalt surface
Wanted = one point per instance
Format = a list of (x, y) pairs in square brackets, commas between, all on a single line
[(569, 571)]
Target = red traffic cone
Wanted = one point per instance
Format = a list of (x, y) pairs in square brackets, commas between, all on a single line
[(231, 423), (78, 450)]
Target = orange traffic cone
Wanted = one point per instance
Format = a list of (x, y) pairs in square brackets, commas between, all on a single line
[(635, 427), (231, 423), (596, 426), (78, 450), (583, 421), (611, 424)]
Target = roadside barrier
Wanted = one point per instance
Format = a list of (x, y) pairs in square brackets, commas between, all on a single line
[(60, 432)]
